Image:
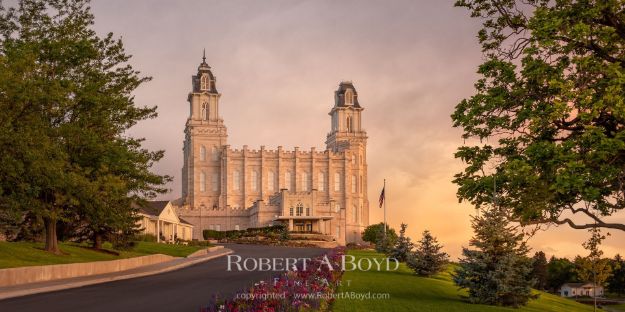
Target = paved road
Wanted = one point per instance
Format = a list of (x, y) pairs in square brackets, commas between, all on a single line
[(187, 289)]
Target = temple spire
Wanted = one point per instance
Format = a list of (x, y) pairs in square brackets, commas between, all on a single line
[(204, 55)]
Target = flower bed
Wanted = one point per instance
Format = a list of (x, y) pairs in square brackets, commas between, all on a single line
[(298, 290)]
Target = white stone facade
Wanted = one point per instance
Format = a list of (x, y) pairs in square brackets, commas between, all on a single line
[(311, 191)]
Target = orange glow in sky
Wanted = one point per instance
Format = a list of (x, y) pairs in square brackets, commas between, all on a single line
[(277, 65)]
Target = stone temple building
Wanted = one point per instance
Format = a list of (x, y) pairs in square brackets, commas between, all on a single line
[(224, 188)]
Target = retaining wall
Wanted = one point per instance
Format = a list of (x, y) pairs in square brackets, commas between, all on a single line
[(33, 274)]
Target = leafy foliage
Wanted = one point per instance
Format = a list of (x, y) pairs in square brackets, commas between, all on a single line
[(67, 98), (593, 268), (497, 271), (616, 282), (375, 232), (560, 271), (551, 97)]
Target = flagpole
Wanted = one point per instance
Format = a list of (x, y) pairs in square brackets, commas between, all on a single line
[(384, 209)]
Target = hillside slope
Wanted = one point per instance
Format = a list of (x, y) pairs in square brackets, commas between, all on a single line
[(412, 293)]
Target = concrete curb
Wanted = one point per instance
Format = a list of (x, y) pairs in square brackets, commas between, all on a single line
[(43, 289), (205, 251)]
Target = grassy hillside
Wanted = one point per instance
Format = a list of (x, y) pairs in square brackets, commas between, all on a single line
[(28, 254), (412, 293)]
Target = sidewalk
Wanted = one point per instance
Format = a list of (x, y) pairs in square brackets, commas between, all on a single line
[(179, 263)]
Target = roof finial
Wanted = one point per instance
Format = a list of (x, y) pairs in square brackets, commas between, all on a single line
[(204, 56)]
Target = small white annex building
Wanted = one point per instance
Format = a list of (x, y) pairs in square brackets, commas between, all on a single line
[(159, 218), (581, 290)]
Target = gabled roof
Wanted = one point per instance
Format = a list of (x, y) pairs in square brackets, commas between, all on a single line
[(184, 221), (578, 285), (154, 208)]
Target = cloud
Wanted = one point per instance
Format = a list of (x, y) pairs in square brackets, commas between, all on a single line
[(278, 64)]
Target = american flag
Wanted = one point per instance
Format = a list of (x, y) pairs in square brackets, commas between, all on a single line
[(382, 197)]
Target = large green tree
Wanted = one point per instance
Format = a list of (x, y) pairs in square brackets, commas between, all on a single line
[(547, 121), (375, 232), (560, 271), (616, 282), (67, 94)]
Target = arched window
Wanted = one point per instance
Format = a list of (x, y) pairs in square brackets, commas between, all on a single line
[(202, 182), (287, 180), (291, 211), (204, 82), (271, 181), (337, 182), (204, 111), (322, 181), (360, 184), (304, 181), (215, 182), (254, 180), (349, 97), (202, 153), (299, 210), (307, 211), (349, 124), (236, 180), (214, 153)]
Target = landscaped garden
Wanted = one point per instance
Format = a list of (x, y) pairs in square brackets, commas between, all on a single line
[(409, 292), (17, 254)]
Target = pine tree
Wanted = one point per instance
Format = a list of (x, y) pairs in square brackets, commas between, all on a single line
[(428, 259), (386, 244), (539, 270), (497, 271), (403, 248)]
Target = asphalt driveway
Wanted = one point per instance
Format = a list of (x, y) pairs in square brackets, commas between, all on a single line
[(186, 289)]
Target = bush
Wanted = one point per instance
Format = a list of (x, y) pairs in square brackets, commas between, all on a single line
[(269, 231), (123, 242), (375, 232), (197, 243), (145, 238)]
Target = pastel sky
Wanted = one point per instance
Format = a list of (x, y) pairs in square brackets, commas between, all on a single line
[(277, 65)]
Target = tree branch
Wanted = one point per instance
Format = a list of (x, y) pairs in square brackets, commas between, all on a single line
[(568, 221)]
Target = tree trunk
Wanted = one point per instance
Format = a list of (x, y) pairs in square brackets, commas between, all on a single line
[(97, 240), (52, 244)]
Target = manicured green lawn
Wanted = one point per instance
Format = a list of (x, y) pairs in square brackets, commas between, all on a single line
[(411, 293), (150, 248), (16, 254), (620, 307)]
